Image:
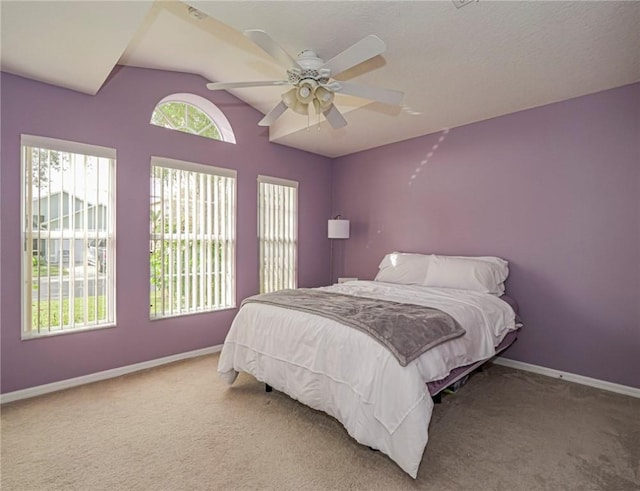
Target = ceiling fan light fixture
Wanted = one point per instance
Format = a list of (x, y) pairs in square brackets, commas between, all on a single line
[(290, 99), (310, 79), (301, 108), (324, 98), (306, 91)]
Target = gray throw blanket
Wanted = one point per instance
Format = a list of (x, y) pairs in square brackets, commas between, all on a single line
[(407, 330)]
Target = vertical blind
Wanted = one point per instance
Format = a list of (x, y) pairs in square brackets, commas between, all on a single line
[(277, 233), (192, 248), (68, 206)]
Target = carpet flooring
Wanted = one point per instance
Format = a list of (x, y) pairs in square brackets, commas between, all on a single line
[(179, 427)]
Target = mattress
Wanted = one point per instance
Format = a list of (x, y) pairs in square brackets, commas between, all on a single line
[(352, 377)]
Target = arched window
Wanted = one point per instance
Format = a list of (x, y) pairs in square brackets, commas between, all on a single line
[(193, 114)]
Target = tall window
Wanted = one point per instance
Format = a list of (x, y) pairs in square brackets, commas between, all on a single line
[(193, 114), (68, 267), (193, 231), (278, 233)]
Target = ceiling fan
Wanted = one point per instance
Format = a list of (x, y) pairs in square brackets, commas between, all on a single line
[(311, 79)]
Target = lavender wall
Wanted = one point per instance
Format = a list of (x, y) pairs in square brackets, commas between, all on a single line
[(555, 190), (118, 117)]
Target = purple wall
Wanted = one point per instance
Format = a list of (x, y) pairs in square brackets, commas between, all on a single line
[(118, 117), (555, 190)]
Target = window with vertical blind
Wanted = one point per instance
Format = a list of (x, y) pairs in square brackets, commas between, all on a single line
[(278, 233), (68, 224), (192, 246)]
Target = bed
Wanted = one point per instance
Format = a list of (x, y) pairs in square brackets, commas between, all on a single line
[(351, 376)]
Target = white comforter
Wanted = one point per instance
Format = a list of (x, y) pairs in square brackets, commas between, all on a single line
[(349, 375)]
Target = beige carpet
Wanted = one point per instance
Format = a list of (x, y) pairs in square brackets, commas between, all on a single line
[(179, 427)]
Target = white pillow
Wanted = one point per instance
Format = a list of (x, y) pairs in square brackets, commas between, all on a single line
[(481, 274), (404, 268)]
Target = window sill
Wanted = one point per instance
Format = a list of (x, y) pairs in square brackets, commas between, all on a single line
[(189, 314), (77, 330)]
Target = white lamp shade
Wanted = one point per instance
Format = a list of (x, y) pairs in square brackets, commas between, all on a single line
[(338, 229)]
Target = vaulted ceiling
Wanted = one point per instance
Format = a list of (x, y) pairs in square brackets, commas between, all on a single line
[(455, 65)]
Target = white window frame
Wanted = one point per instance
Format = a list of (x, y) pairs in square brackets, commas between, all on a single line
[(27, 227), (277, 233), (216, 116), (202, 294)]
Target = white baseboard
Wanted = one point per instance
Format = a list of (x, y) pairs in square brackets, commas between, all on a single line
[(106, 374), (116, 372), (571, 377)]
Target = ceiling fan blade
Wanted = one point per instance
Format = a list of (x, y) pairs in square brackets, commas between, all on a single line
[(266, 42), (272, 115), (239, 85), (363, 50), (336, 120), (387, 96)]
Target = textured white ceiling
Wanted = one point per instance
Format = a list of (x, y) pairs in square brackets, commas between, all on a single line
[(71, 44), (456, 66)]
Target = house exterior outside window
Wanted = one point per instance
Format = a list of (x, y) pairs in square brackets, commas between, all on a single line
[(68, 210), (277, 233), (192, 238)]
